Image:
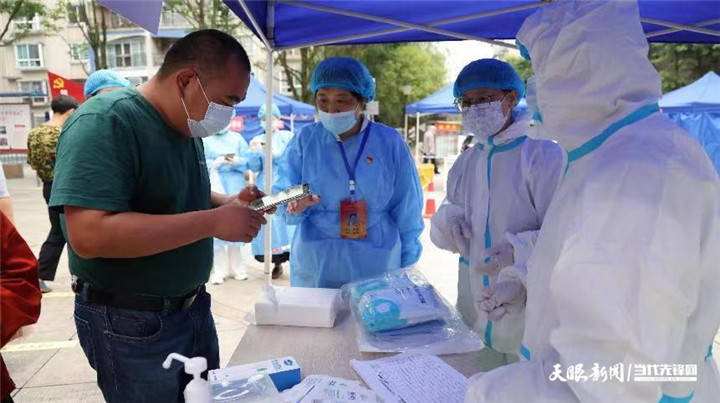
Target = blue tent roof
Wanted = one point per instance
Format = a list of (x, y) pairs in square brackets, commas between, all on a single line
[(702, 95), (295, 23), (256, 97), (439, 102), (443, 102), (696, 108)]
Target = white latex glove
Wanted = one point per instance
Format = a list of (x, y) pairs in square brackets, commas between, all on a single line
[(495, 259), (502, 297), (219, 161), (460, 232)]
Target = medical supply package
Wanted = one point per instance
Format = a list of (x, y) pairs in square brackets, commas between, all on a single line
[(248, 388), (401, 311), (283, 372), (323, 388)]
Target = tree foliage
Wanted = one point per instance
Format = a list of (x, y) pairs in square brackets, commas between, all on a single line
[(521, 65), (206, 14), (393, 66), (19, 10), (681, 64)]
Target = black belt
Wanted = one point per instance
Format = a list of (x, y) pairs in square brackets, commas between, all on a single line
[(165, 305)]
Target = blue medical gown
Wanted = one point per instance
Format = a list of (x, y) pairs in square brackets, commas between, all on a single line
[(281, 232), (231, 175), (386, 178)]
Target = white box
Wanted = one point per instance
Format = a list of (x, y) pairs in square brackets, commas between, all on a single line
[(299, 306)]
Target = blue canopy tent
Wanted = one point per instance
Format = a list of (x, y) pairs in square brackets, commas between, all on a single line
[(696, 108), (296, 114), (287, 24), (440, 102), (284, 24), (443, 102)]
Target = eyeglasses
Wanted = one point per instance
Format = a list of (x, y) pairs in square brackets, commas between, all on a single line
[(463, 103)]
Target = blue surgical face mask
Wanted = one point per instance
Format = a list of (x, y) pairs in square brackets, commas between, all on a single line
[(217, 117), (338, 123)]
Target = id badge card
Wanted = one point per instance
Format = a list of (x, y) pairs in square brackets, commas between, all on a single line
[(353, 219)]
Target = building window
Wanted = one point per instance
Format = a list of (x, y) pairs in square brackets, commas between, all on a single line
[(36, 87), (79, 52), (118, 21), (77, 13), (29, 56), (127, 53), (28, 24)]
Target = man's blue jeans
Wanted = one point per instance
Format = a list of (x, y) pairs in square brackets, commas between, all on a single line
[(127, 348)]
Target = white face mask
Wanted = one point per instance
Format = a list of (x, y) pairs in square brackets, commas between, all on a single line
[(484, 120), (217, 117), (338, 123)]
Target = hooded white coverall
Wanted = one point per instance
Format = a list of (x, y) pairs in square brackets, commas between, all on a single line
[(625, 268), (514, 178)]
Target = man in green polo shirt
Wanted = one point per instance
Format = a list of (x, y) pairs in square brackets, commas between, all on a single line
[(139, 216)]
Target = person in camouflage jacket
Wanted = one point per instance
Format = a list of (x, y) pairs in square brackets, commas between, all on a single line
[(42, 142)]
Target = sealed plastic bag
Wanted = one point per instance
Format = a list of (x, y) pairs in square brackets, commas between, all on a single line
[(400, 312)]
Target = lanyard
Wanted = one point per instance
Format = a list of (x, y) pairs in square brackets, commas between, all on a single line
[(351, 171)]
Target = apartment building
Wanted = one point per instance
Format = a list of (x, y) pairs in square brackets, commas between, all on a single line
[(131, 51)]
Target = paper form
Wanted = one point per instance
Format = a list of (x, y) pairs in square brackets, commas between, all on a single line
[(413, 378)]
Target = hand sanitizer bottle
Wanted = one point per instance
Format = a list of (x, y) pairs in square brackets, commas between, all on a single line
[(198, 390)]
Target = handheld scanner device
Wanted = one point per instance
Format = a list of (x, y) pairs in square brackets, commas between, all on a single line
[(280, 198)]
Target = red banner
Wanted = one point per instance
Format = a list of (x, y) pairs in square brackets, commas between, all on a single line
[(63, 86)]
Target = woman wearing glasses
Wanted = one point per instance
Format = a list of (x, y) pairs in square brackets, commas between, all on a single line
[(497, 193)]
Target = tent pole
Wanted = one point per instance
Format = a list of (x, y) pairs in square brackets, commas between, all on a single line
[(417, 136), (399, 23), (268, 161), (681, 27), (254, 23), (673, 30)]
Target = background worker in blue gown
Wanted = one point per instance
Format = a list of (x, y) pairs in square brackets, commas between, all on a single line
[(226, 156), (281, 232)]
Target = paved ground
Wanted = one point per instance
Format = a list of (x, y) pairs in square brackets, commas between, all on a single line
[(48, 364)]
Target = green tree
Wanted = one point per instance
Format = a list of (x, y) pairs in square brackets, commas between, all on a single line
[(21, 10), (298, 79), (206, 14), (522, 66), (681, 64), (419, 65), (92, 19), (392, 65)]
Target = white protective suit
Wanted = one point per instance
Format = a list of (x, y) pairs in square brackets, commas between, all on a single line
[(523, 175), (625, 268)]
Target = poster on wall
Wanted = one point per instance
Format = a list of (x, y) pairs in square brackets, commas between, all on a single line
[(15, 124)]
